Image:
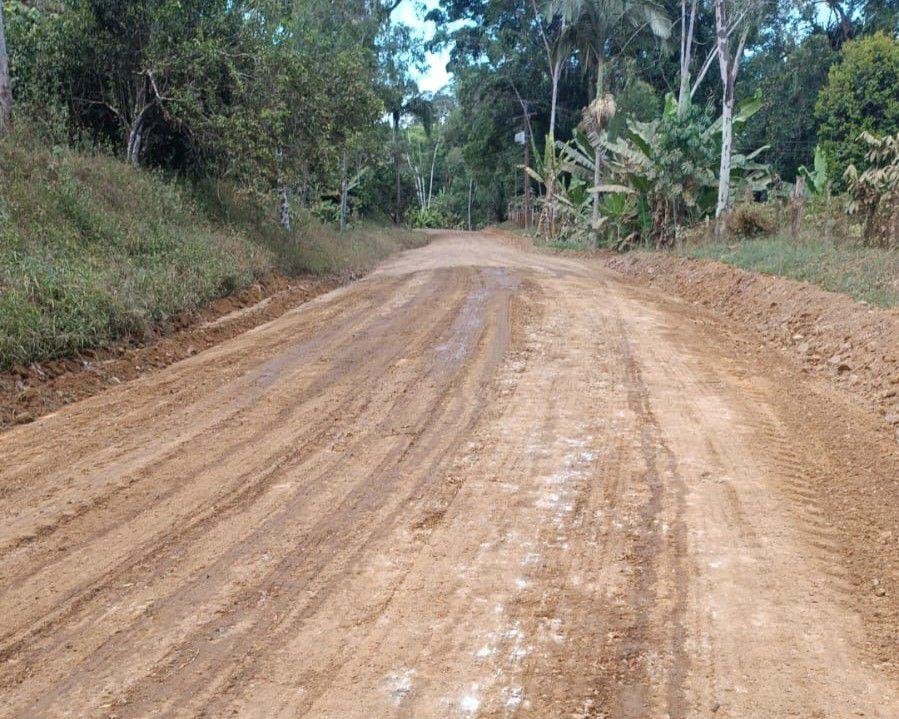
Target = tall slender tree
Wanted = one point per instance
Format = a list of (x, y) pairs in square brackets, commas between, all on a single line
[(400, 51), (5, 82), (728, 17)]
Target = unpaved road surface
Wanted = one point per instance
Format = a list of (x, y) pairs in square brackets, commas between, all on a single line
[(480, 482)]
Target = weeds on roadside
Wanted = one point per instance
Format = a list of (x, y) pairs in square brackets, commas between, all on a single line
[(92, 250), (865, 273)]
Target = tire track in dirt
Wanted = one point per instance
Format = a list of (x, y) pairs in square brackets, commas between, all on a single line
[(420, 452), (219, 504), (482, 482)]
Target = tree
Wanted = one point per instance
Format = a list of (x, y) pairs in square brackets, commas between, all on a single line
[(139, 76), (400, 52), (690, 30), (598, 27), (557, 44), (729, 16), (500, 65), (789, 75), (860, 96), (5, 82)]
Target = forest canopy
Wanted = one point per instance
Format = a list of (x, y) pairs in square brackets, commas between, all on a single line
[(313, 105)]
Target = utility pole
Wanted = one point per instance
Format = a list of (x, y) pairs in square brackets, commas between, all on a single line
[(528, 201), (524, 137)]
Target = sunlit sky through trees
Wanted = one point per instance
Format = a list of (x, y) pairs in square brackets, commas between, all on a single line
[(411, 13)]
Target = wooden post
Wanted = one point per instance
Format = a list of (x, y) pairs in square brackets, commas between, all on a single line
[(344, 191)]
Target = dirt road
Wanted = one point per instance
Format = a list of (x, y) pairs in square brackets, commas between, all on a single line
[(481, 482)]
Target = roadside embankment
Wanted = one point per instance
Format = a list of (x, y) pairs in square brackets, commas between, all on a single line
[(852, 343), (31, 391)]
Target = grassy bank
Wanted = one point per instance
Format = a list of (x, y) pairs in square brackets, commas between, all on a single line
[(865, 273), (93, 250), (844, 264)]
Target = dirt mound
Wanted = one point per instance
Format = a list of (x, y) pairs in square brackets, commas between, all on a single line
[(30, 392), (854, 344)]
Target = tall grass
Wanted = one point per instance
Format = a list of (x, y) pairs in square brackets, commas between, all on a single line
[(93, 250), (311, 246)]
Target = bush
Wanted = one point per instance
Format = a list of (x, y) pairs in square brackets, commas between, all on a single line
[(874, 194), (860, 96), (751, 219), (434, 218)]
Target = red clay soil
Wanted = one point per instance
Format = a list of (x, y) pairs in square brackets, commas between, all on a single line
[(27, 393), (850, 342), (480, 482)]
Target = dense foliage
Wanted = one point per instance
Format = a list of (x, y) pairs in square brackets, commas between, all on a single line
[(861, 96), (204, 88), (874, 193), (785, 54), (313, 105)]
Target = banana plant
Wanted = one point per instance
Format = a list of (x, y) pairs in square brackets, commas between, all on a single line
[(816, 178), (547, 171), (623, 212), (671, 164)]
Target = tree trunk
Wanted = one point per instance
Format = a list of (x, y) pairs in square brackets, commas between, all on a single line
[(5, 81), (729, 65), (135, 140), (597, 155), (344, 191), (727, 117), (554, 101), (283, 195), (555, 71), (797, 204), (398, 212), (137, 131), (431, 181), (470, 192), (686, 55)]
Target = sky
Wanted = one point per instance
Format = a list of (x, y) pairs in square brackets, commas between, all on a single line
[(411, 12)]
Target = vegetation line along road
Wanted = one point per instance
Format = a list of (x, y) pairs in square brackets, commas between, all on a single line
[(156, 157)]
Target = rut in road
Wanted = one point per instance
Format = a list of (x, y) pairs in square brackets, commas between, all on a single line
[(482, 481)]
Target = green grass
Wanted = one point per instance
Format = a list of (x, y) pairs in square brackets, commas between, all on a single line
[(93, 250), (312, 246), (865, 273), (562, 243)]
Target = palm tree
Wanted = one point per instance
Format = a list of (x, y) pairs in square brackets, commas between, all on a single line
[(597, 28)]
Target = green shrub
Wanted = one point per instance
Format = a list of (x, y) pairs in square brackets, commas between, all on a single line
[(874, 194), (860, 96), (434, 217)]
